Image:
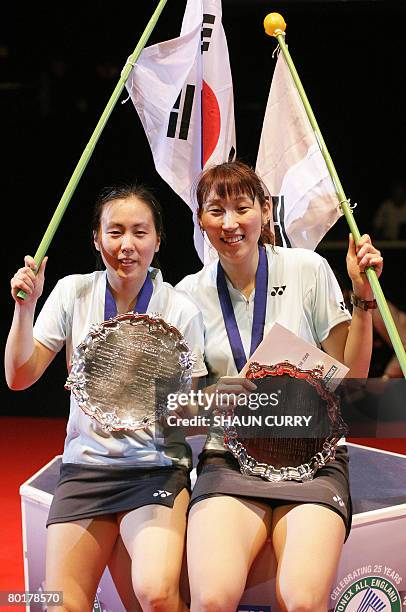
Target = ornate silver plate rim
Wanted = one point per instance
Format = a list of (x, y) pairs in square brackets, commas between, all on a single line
[(77, 379), (306, 471)]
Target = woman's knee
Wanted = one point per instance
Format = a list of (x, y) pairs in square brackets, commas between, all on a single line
[(302, 600), (78, 596), (156, 595), (215, 599)]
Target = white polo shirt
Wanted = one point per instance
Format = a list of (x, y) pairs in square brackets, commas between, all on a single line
[(303, 296), (74, 305)]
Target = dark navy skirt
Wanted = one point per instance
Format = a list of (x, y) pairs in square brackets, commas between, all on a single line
[(86, 491), (219, 474)]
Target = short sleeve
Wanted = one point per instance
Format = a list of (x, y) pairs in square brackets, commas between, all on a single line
[(328, 305), (187, 287), (52, 324)]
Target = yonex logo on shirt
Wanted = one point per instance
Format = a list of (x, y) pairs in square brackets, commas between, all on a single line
[(278, 290)]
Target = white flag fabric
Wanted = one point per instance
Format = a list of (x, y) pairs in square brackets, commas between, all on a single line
[(182, 90), (290, 163)]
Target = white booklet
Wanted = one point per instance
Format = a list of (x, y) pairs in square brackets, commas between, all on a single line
[(280, 344)]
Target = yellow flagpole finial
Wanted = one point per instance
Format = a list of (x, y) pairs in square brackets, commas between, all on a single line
[(274, 24)]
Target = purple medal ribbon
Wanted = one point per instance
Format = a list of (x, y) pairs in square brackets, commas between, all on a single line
[(230, 322), (141, 305)]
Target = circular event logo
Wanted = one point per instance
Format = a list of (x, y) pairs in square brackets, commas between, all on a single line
[(370, 593)]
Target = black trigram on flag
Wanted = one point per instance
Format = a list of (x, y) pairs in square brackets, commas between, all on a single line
[(207, 31), (176, 128), (278, 212)]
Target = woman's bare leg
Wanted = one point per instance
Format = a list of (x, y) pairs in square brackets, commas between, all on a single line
[(307, 540), (154, 537), (77, 554), (120, 570), (224, 536)]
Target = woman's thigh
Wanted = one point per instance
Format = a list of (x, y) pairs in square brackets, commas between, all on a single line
[(77, 553), (154, 537), (307, 540), (120, 569), (224, 536)]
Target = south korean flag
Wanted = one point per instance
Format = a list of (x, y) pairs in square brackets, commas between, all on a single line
[(182, 90)]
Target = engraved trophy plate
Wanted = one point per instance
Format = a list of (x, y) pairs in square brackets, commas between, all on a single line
[(273, 455), (125, 368)]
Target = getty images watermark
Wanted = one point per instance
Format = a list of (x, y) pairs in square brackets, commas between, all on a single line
[(227, 401)]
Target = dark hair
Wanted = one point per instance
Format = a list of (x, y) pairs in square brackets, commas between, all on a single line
[(126, 190), (230, 180)]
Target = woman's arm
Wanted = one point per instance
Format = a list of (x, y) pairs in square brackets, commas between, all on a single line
[(352, 344), (25, 358)]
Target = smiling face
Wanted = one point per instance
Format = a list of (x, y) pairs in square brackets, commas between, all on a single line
[(233, 209), (126, 239), (233, 225)]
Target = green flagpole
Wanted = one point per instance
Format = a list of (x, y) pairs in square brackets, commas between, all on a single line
[(87, 153), (275, 26)]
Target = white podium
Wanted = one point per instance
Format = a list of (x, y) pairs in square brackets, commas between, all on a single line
[(372, 569)]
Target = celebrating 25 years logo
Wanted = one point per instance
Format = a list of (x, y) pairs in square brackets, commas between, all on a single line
[(377, 592)]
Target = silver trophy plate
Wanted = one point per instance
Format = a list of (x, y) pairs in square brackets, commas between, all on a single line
[(125, 368), (278, 457)]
